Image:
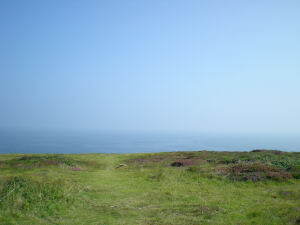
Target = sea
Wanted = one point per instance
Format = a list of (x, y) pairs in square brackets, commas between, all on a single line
[(67, 142)]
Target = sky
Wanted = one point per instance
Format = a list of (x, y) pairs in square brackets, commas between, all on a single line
[(159, 65)]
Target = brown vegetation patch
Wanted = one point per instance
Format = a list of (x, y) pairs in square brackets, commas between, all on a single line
[(256, 172), (143, 160), (289, 194), (75, 168), (196, 210), (170, 159), (221, 171), (252, 167), (281, 175), (183, 162)]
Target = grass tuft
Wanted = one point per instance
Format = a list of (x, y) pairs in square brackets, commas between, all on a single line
[(25, 194)]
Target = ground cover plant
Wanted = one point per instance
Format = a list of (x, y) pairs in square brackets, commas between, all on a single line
[(34, 161), (204, 187)]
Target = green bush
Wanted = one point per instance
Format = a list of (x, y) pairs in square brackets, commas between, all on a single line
[(295, 171)]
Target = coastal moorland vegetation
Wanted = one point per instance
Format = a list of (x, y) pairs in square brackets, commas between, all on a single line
[(201, 187)]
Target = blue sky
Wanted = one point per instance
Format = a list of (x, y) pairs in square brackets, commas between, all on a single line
[(195, 66)]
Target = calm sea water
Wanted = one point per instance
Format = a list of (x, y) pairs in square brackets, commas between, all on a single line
[(101, 142)]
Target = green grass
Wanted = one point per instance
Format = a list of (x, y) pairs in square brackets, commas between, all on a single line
[(203, 187)]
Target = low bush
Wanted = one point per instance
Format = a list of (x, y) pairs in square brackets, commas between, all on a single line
[(295, 171), (282, 160), (257, 172), (183, 162)]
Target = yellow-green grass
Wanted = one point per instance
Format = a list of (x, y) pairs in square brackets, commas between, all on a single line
[(146, 189)]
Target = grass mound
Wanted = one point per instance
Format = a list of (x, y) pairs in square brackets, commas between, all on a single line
[(29, 162), (25, 194)]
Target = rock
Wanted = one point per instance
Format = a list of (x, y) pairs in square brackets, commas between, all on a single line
[(121, 165)]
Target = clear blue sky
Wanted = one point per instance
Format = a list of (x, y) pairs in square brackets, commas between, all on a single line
[(207, 66)]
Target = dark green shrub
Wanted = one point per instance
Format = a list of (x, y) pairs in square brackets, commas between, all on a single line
[(295, 171)]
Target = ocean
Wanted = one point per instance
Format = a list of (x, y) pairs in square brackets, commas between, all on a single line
[(137, 142)]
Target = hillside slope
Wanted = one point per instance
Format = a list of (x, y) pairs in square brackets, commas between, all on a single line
[(205, 187)]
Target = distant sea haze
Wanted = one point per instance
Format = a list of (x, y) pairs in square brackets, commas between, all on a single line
[(139, 142)]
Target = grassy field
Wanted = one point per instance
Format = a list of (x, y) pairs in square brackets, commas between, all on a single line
[(205, 187)]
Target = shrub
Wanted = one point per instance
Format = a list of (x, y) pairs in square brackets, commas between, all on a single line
[(295, 171), (183, 162), (252, 167), (257, 172)]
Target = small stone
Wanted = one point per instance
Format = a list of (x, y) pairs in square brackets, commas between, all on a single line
[(121, 165)]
